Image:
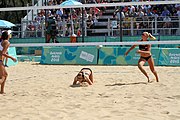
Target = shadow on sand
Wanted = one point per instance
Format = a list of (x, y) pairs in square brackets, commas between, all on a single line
[(84, 84), (121, 84)]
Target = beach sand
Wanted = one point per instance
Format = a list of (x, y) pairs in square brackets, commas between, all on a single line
[(43, 92)]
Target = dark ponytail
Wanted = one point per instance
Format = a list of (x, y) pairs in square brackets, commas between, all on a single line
[(4, 35)]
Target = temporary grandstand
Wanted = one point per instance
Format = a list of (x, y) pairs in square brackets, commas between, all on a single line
[(105, 21)]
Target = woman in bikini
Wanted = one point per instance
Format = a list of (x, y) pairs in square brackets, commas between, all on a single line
[(4, 45), (145, 55), (85, 75)]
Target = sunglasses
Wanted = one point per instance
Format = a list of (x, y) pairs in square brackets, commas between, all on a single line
[(143, 34), (81, 74)]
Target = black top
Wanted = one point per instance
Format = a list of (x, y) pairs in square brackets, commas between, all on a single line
[(143, 47)]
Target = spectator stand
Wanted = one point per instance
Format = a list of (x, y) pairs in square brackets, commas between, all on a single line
[(136, 19)]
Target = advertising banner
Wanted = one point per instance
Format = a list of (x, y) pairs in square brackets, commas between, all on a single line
[(169, 57), (115, 56), (11, 52), (69, 55)]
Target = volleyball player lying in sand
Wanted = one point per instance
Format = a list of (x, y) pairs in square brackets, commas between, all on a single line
[(84, 76)]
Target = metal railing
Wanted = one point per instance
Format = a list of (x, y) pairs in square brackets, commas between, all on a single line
[(130, 27)]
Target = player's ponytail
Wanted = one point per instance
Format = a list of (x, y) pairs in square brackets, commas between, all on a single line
[(151, 36)]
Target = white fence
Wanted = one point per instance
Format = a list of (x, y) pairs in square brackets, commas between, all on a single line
[(130, 27)]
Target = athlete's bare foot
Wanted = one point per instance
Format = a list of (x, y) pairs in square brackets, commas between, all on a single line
[(2, 92), (148, 79), (151, 81)]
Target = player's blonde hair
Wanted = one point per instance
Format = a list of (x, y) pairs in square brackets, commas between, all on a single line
[(149, 36)]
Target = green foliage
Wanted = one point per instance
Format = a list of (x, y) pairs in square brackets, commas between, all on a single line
[(13, 16)]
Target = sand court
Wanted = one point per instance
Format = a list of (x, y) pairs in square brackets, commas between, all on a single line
[(43, 92)]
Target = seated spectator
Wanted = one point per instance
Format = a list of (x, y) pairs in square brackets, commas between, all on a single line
[(59, 12), (31, 28), (165, 12), (178, 12), (149, 13), (167, 22), (79, 32), (69, 26), (132, 12), (95, 10), (140, 13), (173, 11), (117, 14), (59, 24), (95, 19)]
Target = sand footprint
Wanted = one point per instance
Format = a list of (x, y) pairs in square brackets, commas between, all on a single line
[(177, 97), (174, 117)]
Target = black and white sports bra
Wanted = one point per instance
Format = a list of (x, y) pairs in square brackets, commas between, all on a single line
[(143, 47)]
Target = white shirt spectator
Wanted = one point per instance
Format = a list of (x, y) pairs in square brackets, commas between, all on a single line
[(146, 7), (118, 15), (140, 13), (178, 13), (167, 19), (132, 9), (135, 0), (59, 12), (177, 5)]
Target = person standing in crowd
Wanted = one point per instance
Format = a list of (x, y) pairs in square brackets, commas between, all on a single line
[(4, 45), (145, 55), (51, 32)]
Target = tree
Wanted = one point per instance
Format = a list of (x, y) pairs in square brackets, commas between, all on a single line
[(13, 16)]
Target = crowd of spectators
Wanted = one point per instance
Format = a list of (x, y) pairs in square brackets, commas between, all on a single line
[(142, 14), (64, 17)]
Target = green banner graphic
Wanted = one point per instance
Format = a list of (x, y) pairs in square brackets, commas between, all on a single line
[(11, 52), (169, 57), (27, 50), (31, 58), (115, 56)]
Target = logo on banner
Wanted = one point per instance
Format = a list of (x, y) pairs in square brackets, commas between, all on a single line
[(55, 56), (174, 58), (87, 56)]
